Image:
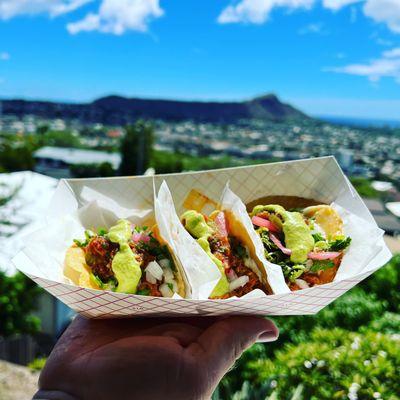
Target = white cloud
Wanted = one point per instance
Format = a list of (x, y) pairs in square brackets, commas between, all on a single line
[(384, 42), (386, 66), (4, 56), (119, 16), (394, 53), (257, 11), (317, 27), (338, 4), (13, 8), (386, 11)]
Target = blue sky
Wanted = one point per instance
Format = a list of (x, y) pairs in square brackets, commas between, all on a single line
[(327, 57)]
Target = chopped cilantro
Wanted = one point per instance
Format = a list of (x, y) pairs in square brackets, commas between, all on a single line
[(240, 251), (322, 265), (89, 234), (292, 272), (318, 237), (96, 280), (80, 243), (143, 292), (340, 244), (110, 285), (272, 252), (102, 231), (83, 243), (171, 286), (140, 229)]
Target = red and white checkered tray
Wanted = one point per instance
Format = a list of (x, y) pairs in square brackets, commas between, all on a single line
[(319, 178)]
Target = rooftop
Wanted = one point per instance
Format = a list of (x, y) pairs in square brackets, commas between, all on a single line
[(374, 206), (388, 223), (394, 208), (78, 156), (393, 244), (382, 186), (24, 197)]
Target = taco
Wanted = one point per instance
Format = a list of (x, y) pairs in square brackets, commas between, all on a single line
[(308, 242), (226, 242), (125, 259)]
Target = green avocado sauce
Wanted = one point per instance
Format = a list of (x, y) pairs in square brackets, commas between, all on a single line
[(197, 226), (124, 264), (298, 237)]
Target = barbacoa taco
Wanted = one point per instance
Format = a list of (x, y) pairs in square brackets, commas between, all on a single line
[(229, 247), (124, 259), (307, 242)]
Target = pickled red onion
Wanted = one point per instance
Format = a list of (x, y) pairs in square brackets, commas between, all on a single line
[(323, 255), (140, 237), (281, 247), (221, 223), (258, 221)]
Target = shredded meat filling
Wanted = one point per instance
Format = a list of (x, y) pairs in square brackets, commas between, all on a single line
[(222, 249), (100, 252)]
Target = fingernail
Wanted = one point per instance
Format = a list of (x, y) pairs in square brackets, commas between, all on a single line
[(268, 336)]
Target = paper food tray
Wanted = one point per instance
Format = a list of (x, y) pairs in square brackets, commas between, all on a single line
[(320, 179)]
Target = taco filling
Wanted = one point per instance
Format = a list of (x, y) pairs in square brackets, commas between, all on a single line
[(125, 259), (307, 243), (239, 272)]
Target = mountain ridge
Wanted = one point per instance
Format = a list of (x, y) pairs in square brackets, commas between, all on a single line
[(115, 109)]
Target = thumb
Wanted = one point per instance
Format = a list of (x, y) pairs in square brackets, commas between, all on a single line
[(225, 340)]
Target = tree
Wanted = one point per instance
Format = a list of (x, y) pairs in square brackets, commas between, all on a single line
[(42, 129), (136, 148), (334, 364), (167, 163), (18, 295), (104, 169), (15, 157), (364, 187)]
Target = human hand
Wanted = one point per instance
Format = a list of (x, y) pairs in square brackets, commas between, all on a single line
[(149, 358)]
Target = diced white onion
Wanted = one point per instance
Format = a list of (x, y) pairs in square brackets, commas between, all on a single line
[(165, 263), (150, 278), (239, 282), (302, 284), (309, 264), (166, 291), (168, 274), (154, 269)]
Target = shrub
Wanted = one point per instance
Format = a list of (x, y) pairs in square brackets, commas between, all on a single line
[(364, 187), (104, 169), (18, 296), (37, 364), (388, 323), (167, 163), (351, 311), (333, 364), (385, 283)]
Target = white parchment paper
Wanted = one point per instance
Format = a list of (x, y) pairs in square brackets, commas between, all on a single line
[(230, 201), (202, 274)]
